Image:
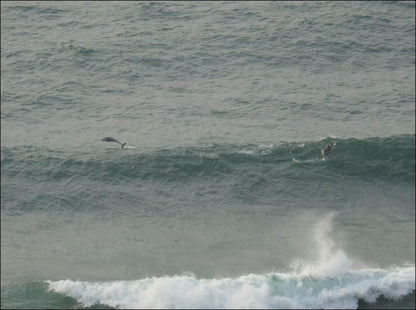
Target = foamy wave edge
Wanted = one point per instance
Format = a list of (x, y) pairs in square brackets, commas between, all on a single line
[(273, 290)]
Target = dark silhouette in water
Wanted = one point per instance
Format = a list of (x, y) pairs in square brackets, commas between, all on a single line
[(328, 149), (109, 139)]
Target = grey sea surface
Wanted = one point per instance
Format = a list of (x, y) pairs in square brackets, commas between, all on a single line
[(221, 197)]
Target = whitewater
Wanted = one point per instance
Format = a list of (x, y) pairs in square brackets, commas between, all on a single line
[(222, 196), (328, 282)]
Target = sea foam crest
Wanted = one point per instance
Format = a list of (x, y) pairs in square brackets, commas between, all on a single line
[(326, 282), (273, 290), (330, 261)]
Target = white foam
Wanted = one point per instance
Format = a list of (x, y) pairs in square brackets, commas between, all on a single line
[(262, 149), (328, 281), (251, 291), (129, 147), (308, 161), (330, 261)]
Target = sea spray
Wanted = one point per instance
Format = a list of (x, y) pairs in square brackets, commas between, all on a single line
[(328, 281), (274, 290), (225, 109), (330, 261)]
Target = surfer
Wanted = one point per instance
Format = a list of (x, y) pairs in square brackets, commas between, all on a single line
[(327, 150), (109, 139)]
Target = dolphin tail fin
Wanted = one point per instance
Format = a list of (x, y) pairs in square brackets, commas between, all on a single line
[(122, 146)]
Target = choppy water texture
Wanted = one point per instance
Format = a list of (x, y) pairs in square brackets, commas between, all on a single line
[(221, 197)]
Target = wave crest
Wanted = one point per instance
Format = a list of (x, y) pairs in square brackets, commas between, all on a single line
[(327, 282), (275, 290)]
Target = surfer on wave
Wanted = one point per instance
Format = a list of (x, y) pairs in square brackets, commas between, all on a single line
[(328, 149)]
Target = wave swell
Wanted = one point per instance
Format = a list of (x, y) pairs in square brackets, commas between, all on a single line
[(389, 158)]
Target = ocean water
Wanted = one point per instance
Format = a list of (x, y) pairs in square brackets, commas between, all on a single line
[(221, 197)]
